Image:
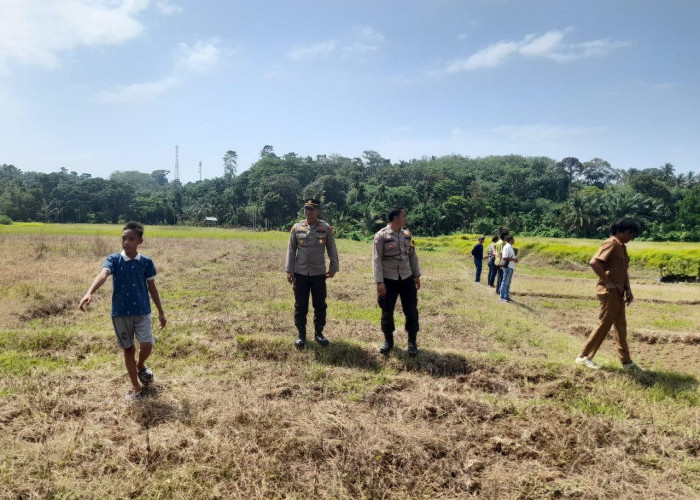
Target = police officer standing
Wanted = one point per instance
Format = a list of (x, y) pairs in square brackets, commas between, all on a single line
[(396, 273), (306, 269)]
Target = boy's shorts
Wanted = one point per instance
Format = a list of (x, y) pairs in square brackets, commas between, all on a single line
[(125, 327)]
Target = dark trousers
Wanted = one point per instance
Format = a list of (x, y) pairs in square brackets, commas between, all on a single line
[(406, 289), (316, 285), (493, 270), (478, 264), (500, 279)]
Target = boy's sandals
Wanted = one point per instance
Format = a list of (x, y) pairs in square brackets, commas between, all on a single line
[(132, 396), (146, 376)]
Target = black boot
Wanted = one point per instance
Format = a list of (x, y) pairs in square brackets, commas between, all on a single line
[(300, 342), (412, 345), (322, 341), (388, 344)]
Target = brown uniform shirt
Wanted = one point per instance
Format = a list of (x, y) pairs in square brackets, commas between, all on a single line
[(394, 255), (307, 247), (613, 254)]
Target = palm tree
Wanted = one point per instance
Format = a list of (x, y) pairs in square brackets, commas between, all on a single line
[(580, 215)]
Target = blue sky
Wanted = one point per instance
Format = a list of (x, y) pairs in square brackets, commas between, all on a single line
[(103, 85)]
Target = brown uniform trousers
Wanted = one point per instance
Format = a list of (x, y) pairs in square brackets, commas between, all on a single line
[(612, 313)]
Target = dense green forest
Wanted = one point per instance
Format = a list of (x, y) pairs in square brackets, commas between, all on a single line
[(530, 195)]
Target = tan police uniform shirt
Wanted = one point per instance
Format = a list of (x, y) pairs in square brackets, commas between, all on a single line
[(394, 255), (307, 247), (613, 254)]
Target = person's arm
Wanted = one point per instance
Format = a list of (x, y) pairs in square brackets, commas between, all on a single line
[(153, 290), (332, 252), (377, 254), (290, 260), (96, 283), (628, 290), (599, 269)]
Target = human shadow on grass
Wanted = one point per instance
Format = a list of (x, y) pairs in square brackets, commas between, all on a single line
[(436, 364), (342, 353), (670, 383), (150, 411), (524, 306)]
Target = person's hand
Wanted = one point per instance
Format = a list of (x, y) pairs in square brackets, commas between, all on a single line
[(330, 274), (162, 320), (381, 289), (417, 281), (629, 297), (290, 278), (85, 301)]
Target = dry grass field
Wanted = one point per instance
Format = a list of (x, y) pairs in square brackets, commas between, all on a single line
[(492, 407)]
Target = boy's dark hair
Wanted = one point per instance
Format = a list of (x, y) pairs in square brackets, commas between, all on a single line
[(494, 239), (624, 224), (510, 237), (394, 212), (503, 233), (136, 227)]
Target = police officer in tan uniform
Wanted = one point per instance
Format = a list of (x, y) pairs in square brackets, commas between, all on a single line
[(610, 264), (396, 273), (306, 269)]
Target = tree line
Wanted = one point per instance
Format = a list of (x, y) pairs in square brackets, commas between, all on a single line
[(454, 193)]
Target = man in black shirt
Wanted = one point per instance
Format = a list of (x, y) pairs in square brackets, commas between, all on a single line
[(478, 254)]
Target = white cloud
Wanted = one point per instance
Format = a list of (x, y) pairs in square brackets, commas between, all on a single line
[(493, 55), (36, 32), (367, 39), (550, 45), (167, 8), (312, 51), (199, 58), (541, 46), (137, 92)]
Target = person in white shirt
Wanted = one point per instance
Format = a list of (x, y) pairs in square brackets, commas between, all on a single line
[(509, 258)]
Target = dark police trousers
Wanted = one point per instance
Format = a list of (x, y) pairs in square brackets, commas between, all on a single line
[(302, 286), (406, 289)]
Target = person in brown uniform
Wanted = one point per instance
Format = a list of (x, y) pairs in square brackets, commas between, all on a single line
[(396, 273), (610, 264), (305, 265)]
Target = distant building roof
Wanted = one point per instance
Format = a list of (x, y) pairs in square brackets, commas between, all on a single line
[(211, 219)]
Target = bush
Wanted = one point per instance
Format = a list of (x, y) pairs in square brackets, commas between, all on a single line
[(5, 220)]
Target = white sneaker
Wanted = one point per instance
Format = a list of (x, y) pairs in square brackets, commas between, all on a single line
[(632, 366), (586, 361)]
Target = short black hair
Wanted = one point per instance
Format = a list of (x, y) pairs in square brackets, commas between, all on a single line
[(137, 227), (503, 232), (394, 212), (510, 237), (494, 239), (625, 224)]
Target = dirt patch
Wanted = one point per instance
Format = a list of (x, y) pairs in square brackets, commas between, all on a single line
[(47, 308)]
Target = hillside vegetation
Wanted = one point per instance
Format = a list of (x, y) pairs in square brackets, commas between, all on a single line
[(492, 407), (538, 196)]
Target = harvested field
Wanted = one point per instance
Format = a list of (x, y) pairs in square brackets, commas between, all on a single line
[(491, 408)]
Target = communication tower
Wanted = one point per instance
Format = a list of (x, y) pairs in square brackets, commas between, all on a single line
[(177, 165)]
